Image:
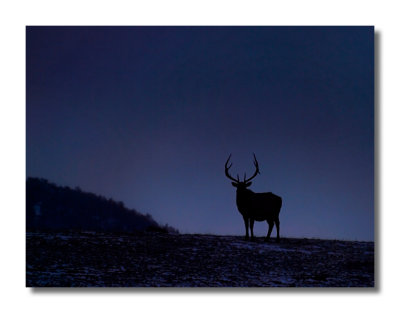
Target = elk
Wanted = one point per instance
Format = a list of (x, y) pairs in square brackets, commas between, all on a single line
[(255, 206)]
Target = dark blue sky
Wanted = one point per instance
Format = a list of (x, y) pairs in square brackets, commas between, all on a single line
[(149, 115)]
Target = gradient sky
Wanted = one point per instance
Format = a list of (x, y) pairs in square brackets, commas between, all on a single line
[(149, 115)]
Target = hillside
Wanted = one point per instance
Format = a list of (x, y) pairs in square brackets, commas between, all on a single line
[(51, 207), (149, 259)]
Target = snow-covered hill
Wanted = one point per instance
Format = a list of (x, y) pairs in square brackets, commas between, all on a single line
[(170, 260)]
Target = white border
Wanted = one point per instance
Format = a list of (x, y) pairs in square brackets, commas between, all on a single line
[(14, 15)]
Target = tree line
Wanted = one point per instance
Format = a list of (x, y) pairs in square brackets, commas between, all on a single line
[(52, 207)]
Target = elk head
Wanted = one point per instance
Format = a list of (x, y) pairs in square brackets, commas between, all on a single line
[(236, 181)]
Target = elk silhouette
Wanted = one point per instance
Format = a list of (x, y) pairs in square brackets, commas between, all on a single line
[(255, 206)]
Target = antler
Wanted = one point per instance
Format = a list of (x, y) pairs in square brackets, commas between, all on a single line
[(255, 173), (227, 170)]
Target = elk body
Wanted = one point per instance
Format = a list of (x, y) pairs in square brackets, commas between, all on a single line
[(255, 206)]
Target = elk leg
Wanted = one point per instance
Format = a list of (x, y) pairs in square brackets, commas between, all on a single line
[(246, 224), (270, 226), (251, 229), (277, 229)]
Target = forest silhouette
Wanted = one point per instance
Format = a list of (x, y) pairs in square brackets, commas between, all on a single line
[(51, 207)]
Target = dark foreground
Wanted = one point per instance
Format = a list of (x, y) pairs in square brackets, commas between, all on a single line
[(169, 260)]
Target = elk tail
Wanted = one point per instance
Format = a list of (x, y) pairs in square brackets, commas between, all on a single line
[(280, 203)]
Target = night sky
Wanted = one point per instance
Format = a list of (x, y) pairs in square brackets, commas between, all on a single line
[(149, 115)]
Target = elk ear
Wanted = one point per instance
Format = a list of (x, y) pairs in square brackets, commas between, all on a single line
[(234, 184), (248, 184)]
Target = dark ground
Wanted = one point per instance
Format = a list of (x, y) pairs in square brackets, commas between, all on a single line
[(170, 260)]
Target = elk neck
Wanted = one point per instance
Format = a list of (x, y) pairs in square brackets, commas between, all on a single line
[(242, 194)]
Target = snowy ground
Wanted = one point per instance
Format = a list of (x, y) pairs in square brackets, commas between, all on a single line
[(169, 260)]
